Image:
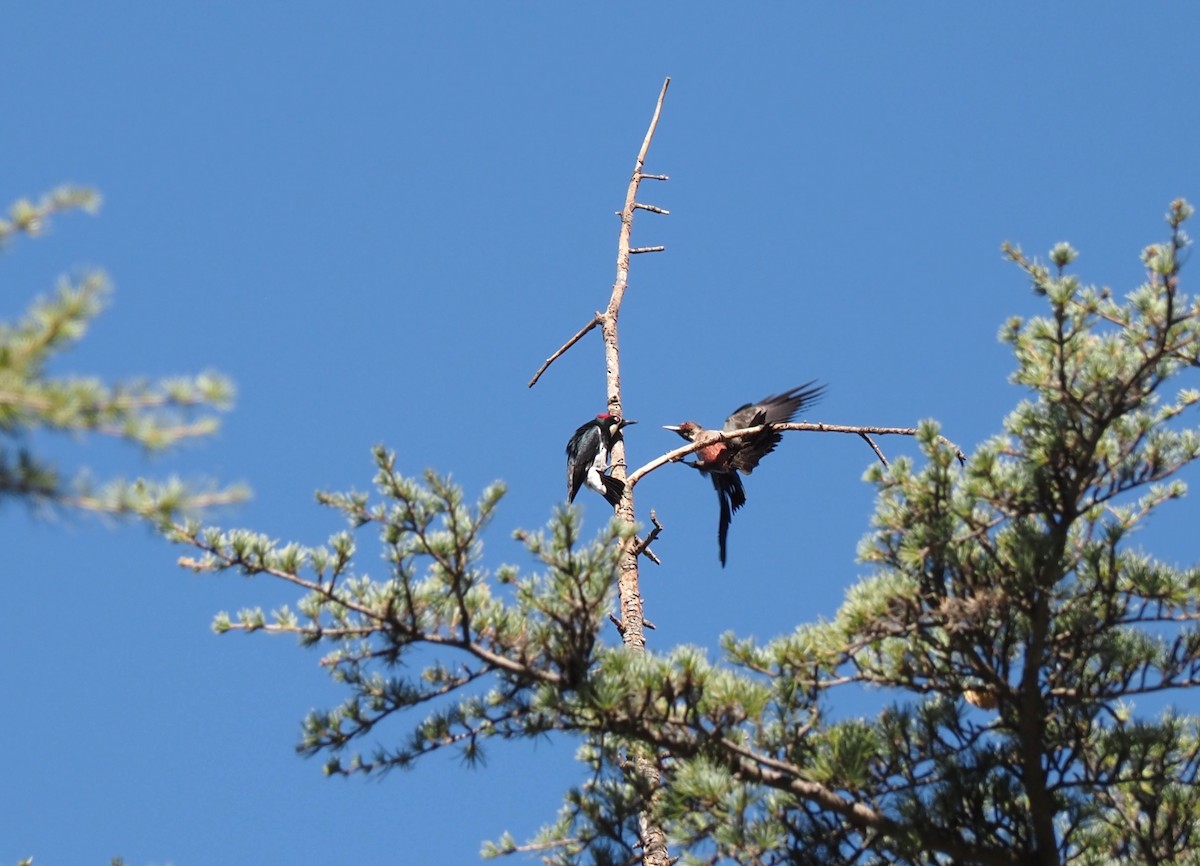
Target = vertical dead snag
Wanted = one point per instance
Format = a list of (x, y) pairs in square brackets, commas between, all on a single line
[(631, 600), (632, 617), (632, 625)]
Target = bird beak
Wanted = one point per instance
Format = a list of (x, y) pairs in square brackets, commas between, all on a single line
[(625, 423), (673, 427)]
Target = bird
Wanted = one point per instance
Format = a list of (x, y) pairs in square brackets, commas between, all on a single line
[(588, 454), (722, 460)]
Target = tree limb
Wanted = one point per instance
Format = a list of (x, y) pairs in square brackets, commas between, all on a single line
[(596, 319), (633, 633), (805, 426)]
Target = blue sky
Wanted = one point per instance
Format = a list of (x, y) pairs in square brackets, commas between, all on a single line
[(380, 218)]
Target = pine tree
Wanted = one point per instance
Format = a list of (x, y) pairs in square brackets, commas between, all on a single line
[(153, 417), (1010, 621)]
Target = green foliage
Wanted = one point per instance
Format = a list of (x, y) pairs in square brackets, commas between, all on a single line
[(152, 416), (1008, 627), (31, 218)]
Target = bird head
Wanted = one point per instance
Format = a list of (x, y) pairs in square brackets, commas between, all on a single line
[(689, 430), (612, 422)]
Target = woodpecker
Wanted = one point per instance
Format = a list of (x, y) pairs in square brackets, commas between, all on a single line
[(587, 458), (722, 460)]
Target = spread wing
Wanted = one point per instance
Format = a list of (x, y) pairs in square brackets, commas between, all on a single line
[(775, 409)]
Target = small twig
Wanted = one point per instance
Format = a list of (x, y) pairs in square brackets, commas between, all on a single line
[(651, 208), (875, 448), (636, 250), (562, 351), (621, 626), (653, 176), (642, 546)]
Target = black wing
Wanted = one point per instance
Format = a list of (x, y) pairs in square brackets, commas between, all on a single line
[(775, 409), (577, 464)]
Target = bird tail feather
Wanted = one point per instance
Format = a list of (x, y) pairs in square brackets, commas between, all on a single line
[(613, 489)]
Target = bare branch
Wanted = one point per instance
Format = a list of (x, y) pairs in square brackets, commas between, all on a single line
[(860, 430), (562, 351), (866, 437), (627, 585), (806, 426), (633, 625), (642, 546), (609, 317), (631, 622)]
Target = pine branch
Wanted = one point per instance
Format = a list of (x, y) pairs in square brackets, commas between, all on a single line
[(32, 218), (153, 416)]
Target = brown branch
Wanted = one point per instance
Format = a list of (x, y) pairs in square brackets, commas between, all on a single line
[(621, 626), (633, 624), (867, 438), (627, 584), (596, 319), (642, 546), (609, 317), (788, 777), (806, 426), (871, 430)]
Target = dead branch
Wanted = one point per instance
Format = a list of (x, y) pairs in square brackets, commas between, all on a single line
[(612, 617), (627, 585), (642, 546), (631, 623), (563, 349), (804, 426), (869, 431), (609, 317), (633, 633), (867, 438)]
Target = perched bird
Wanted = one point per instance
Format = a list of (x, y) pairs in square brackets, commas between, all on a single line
[(587, 458), (722, 460)]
